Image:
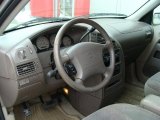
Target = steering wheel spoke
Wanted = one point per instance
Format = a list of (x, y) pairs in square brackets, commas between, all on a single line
[(79, 81), (65, 58)]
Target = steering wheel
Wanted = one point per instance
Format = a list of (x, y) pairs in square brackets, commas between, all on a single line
[(86, 58)]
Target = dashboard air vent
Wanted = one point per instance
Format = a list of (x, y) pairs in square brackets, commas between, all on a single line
[(26, 68)]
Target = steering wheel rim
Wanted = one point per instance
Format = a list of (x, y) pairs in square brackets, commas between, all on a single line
[(62, 58)]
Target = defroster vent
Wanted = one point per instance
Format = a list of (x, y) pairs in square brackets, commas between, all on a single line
[(26, 68)]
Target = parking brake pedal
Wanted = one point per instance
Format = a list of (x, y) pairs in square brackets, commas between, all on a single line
[(26, 109)]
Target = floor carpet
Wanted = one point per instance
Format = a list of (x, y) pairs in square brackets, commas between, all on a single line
[(38, 113), (132, 95), (64, 111)]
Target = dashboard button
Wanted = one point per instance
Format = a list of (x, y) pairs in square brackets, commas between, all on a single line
[(22, 54)]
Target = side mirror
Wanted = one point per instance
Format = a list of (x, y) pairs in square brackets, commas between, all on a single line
[(156, 18)]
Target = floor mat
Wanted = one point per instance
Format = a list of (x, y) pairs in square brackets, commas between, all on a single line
[(38, 113), (69, 109), (132, 95)]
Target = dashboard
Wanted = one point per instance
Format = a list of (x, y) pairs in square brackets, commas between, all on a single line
[(27, 55)]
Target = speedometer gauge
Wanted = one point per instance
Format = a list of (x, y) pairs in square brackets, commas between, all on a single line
[(42, 43)]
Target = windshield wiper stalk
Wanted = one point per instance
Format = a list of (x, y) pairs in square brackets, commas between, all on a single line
[(89, 31)]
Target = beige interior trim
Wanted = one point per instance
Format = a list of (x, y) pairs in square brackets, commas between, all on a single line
[(146, 53), (150, 5), (7, 116), (3, 4)]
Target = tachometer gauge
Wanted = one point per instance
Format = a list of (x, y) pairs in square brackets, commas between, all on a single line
[(42, 43), (52, 38), (66, 41)]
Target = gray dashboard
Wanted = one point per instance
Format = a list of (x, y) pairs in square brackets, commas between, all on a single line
[(19, 49)]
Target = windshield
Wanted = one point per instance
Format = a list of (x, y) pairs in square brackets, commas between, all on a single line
[(41, 11)]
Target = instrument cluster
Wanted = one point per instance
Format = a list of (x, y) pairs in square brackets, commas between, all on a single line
[(46, 42)]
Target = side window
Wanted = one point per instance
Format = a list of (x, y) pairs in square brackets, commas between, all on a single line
[(156, 16)]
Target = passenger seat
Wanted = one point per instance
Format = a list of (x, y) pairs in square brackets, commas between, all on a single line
[(152, 86)]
